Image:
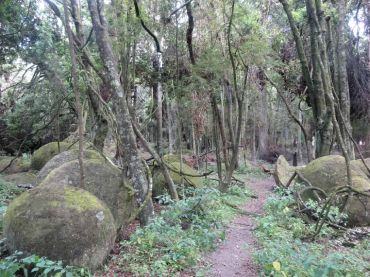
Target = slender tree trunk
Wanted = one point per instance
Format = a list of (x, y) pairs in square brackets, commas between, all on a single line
[(240, 98), (253, 137), (171, 124), (76, 92), (262, 118), (158, 103), (342, 81), (100, 120), (120, 108)]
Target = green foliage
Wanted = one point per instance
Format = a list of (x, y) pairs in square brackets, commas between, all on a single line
[(334, 215), (17, 28), (177, 237), (7, 193), (285, 252), (38, 266)]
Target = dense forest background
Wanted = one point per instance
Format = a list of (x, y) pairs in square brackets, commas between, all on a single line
[(128, 107), (177, 62)]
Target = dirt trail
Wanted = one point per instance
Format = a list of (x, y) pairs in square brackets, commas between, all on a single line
[(233, 257)]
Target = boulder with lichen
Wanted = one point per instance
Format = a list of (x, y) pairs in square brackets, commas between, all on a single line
[(63, 158), (329, 173), (283, 171), (102, 180), (42, 155), (180, 173), (61, 223)]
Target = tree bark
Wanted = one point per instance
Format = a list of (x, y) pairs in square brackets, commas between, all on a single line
[(342, 81), (76, 92), (262, 142), (157, 101), (125, 130), (315, 84), (101, 122)]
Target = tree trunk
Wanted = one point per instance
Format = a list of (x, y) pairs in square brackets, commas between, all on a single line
[(76, 92), (100, 120), (120, 108), (262, 117), (342, 81), (157, 100), (315, 87)]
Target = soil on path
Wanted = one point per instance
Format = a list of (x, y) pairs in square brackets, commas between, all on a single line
[(234, 255)]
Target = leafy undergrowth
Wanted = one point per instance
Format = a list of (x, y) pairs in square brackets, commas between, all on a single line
[(34, 265), (181, 233), (286, 251)]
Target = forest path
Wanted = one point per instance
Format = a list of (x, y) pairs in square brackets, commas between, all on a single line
[(233, 257)]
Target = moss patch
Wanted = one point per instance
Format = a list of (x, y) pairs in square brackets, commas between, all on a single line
[(80, 201)]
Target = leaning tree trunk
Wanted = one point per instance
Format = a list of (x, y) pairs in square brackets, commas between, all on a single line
[(120, 108)]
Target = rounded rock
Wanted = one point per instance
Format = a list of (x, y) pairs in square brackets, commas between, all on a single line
[(63, 158), (102, 180), (61, 223), (42, 155)]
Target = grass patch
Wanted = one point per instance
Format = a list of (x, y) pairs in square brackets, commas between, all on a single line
[(177, 238), (285, 252)]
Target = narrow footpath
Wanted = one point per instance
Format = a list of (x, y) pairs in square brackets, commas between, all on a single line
[(233, 257)]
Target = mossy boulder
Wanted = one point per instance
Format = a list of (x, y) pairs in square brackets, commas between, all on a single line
[(159, 183), (329, 173), (17, 165), (361, 166), (171, 158), (63, 158), (42, 155), (23, 178), (62, 223), (102, 180)]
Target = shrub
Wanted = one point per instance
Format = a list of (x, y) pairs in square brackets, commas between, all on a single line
[(37, 266), (177, 237), (285, 251)]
